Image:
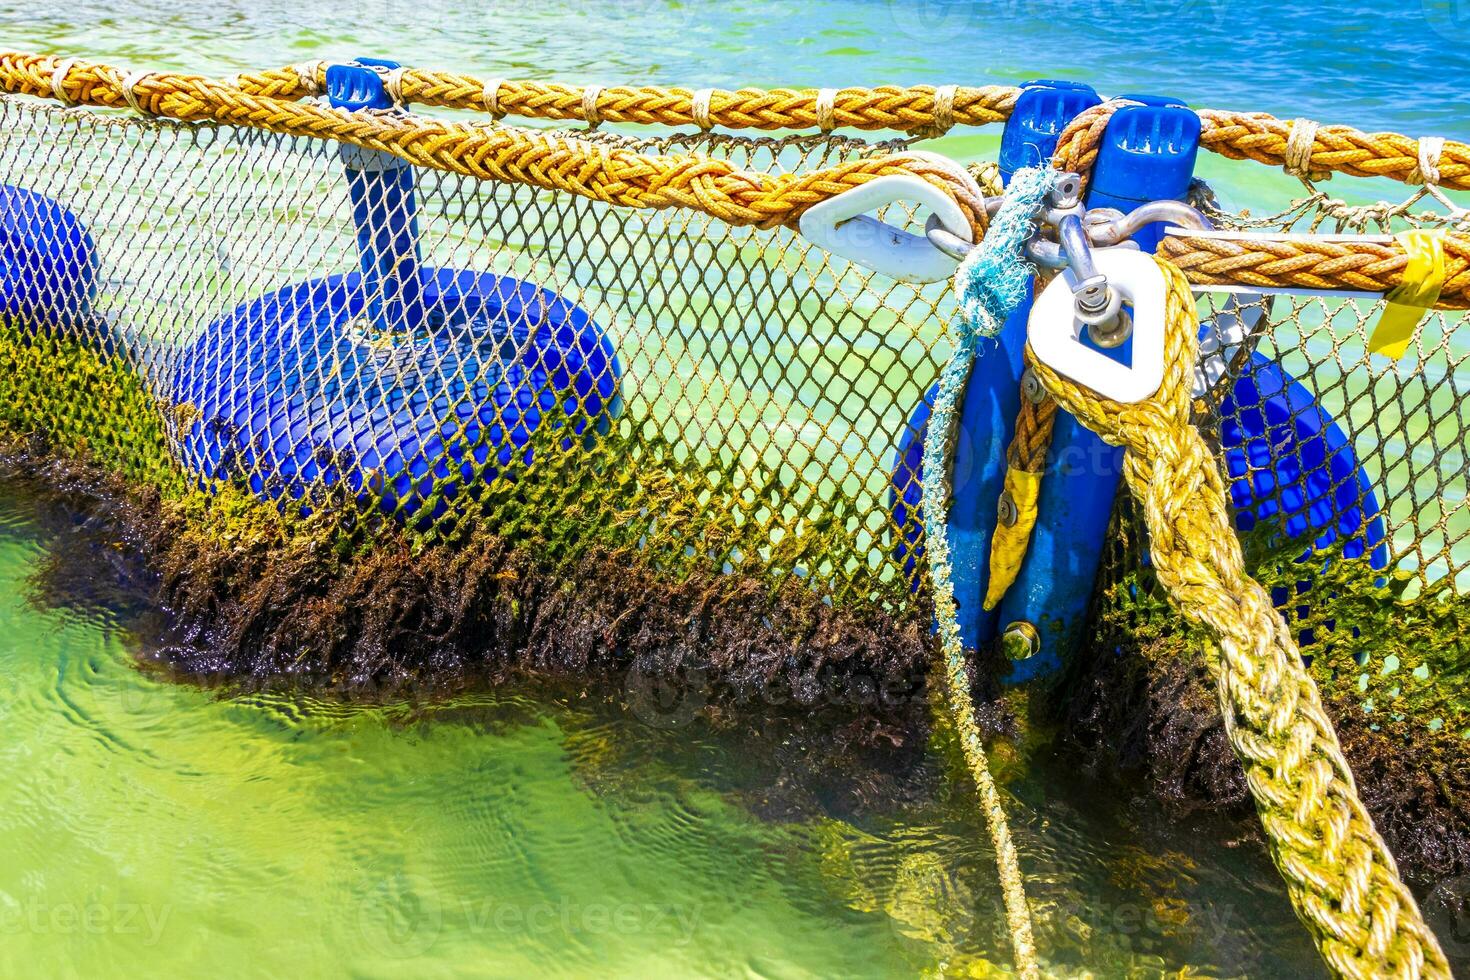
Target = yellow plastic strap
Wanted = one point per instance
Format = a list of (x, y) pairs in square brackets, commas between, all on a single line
[(1008, 547), (1412, 298)]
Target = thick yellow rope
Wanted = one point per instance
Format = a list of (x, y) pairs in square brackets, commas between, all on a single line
[(921, 110), (1340, 875), (709, 184), (613, 175)]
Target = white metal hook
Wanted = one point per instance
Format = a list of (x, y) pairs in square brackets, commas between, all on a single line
[(843, 226)]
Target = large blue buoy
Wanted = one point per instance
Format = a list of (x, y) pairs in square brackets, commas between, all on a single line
[(48, 262), (398, 382), (1288, 462), (296, 388)]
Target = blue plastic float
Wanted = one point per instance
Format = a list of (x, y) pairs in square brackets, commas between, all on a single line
[(48, 262), (1290, 463), (292, 393), (399, 382)]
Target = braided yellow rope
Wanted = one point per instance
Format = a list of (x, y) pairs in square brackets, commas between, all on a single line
[(714, 186), (1302, 263), (616, 176), (1340, 875), (916, 109), (921, 110)]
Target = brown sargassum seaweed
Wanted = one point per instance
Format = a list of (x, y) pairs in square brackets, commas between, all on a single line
[(1392, 666), (347, 600)]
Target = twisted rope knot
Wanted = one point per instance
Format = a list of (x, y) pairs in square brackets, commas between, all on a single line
[(490, 92), (1426, 169), (699, 107), (826, 109), (1301, 143), (590, 113), (309, 75), (943, 121), (129, 83), (59, 71), (393, 84)]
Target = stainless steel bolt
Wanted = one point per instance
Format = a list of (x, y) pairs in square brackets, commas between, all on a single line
[(1031, 388), (1020, 641), (1006, 510)]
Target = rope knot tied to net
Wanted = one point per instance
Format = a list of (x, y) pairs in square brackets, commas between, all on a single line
[(590, 112), (1426, 168), (1301, 142), (1339, 873), (129, 82), (944, 97), (58, 80)]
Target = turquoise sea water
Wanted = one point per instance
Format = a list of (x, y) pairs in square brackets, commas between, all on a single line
[(149, 828), (1376, 65)]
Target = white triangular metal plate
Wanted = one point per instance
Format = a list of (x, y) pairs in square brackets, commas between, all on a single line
[(1056, 333)]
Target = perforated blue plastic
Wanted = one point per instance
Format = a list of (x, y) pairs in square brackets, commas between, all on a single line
[(48, 263), (290, 390), (1289, 462)]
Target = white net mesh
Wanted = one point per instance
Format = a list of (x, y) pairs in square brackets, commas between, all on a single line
[(707, 397)]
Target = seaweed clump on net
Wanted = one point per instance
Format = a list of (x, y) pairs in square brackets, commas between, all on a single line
[(591, 570)]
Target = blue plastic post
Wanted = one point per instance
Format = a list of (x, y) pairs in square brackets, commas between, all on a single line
[(384, 211), (992, 399), (1148, 153)]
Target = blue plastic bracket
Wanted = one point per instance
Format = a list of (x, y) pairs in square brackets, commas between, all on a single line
[(992, 399), (1148, 153), (384, 209)]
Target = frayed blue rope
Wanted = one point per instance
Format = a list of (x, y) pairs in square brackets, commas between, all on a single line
[(993, 279), (991, 284)]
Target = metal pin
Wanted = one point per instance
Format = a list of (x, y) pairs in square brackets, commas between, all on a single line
[(1113, 332)]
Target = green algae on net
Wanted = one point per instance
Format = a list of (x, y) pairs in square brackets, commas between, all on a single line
[(587, 554)]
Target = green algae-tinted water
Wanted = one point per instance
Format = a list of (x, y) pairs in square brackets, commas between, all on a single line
[(151, 827)]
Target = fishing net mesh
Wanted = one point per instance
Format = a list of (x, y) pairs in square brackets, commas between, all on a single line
[(701, 396)]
